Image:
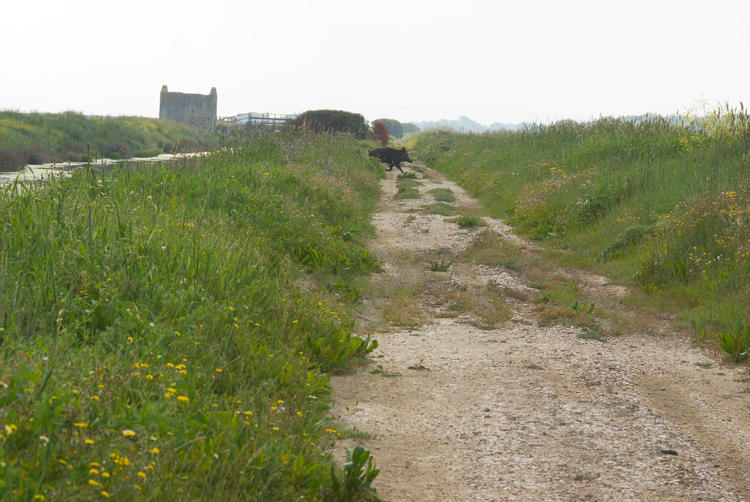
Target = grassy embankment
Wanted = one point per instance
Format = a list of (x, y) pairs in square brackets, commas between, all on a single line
[(33, 138), (653, 203), (167, 333)]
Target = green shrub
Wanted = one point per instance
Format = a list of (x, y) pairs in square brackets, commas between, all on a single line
[(333, 121), (150, 152), (735, 342), (410, 128)]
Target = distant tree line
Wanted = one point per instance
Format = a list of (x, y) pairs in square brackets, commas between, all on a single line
[(352, 123)]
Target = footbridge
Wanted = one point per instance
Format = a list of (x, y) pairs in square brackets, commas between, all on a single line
[(254, 119)]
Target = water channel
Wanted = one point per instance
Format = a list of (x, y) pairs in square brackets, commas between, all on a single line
[(41, 172)]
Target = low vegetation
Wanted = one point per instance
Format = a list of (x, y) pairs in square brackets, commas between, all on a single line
[(35, 138), (332, 121), (662, 204), (165, 333)]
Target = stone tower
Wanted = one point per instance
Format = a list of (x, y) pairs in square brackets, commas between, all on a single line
[(197, 110)]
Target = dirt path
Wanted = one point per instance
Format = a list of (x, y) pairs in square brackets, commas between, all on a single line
[(525, 412)]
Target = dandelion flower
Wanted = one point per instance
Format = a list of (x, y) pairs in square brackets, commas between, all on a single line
[(128, 433)]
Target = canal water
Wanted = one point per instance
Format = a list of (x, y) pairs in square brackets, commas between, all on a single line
[(41, 172)]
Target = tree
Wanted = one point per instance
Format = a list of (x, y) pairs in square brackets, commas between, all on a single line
[(380, 132), (408, 128), (334, 121), (394, 127)]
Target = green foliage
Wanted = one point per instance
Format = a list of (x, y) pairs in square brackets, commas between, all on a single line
[(629, 239), (33, 138), (442, 194), (440, 208), (409, 183), (410, 128), (583, 307), (395, 128), (345, 291), (359, 473), (591, 335), (735, 342), (440, 266), (333, 121), (153, 340), (663, 202), (149, 152), (466, 221), (405, 192)]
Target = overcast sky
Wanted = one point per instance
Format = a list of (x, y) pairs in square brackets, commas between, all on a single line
[(410, 60)]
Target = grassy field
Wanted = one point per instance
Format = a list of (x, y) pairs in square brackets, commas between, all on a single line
[(33, 138), (650, 202), (168, 333)]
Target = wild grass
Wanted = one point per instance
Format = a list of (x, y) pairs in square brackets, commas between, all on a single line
[(658, 202), (154, 343), (467, 221), (407, 192), (440, 208), (442, 194), (34, 138)]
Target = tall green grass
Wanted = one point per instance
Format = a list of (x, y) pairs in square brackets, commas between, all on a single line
[(34, 138), (661, 202), (155, 342)]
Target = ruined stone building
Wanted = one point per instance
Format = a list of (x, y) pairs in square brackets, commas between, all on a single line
[(197, 110)]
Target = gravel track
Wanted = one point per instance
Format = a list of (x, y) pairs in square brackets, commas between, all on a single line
[(532, 413)]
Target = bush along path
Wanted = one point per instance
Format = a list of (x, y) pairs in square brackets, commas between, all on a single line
[(500, 376)]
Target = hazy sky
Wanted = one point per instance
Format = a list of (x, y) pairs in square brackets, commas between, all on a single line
[(410, 60)]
